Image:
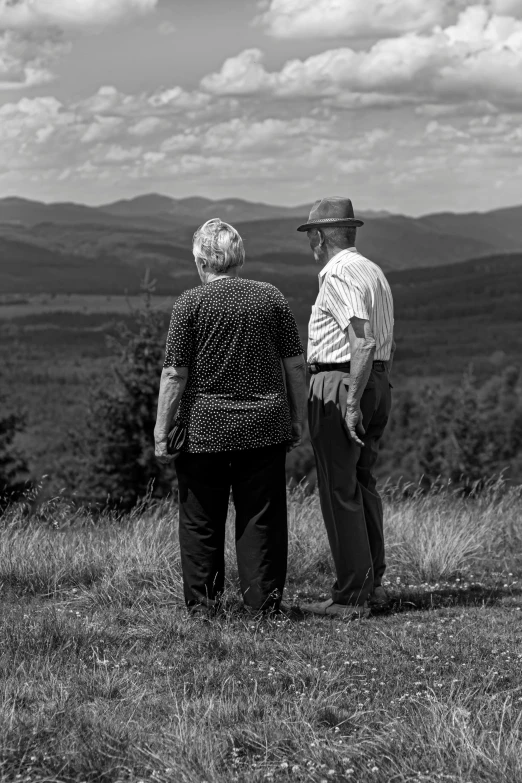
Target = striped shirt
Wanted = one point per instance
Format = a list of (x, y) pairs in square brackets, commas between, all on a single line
[(349, 286)]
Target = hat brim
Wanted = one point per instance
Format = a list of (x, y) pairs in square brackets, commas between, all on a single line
[(328, 222)]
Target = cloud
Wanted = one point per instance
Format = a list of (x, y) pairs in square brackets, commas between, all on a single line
[(149, 140), (369, 18), (244, 74), (118, 154), (26, 60), (167, 28), (147, 126), (477, 58), (69, 13), (143, 106), (351, 18), (102, 129), (507, 7), (241, 135), (32, 33), (114, 131)]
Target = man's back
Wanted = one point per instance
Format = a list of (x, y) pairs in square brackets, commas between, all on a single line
[(350, 285)]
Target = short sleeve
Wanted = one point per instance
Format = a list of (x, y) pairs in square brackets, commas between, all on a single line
[(345, 299), (178, 351), (288, 342)]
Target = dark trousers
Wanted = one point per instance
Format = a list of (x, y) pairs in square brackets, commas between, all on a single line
[(258, 482), (351, 506)]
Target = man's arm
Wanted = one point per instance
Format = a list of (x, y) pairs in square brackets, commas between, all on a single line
[(295, 373), (172, 385), (362, 351), (392, 354)]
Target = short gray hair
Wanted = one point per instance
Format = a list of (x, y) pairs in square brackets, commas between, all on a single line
[(219, 244)]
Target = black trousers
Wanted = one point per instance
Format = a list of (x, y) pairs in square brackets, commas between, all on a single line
[(351, 505), (258, 482)]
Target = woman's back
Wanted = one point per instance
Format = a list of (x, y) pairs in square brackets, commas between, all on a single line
[(232, 334)]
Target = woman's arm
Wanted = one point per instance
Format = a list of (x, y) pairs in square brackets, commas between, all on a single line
[(295, 373), (172, 385)]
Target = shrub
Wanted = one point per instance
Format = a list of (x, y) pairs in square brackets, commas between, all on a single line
[(13, 466), (460, 434), (114, 454)]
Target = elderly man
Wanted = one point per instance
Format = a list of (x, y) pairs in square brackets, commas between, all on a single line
[(350, 353), (234, 367)]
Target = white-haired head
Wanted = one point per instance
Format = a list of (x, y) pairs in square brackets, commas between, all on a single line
[(220, 245)]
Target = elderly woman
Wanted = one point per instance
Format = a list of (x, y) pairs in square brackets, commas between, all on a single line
[(234, 366)]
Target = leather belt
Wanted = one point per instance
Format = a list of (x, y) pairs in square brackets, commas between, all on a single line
[(317, 367)]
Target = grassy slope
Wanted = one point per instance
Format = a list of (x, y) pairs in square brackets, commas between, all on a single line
[(104, 678)]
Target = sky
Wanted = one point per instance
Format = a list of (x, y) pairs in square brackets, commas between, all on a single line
[(404, 105)]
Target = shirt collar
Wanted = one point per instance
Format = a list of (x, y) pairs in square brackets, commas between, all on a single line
[(331, 263)]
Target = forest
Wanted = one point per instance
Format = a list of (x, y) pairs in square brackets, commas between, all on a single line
[(79, 379)]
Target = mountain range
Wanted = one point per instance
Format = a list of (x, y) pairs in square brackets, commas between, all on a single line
[(67, 247)]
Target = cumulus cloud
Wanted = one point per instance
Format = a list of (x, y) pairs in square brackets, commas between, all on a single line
[(26, 60), (369, 18), (332, 18), (507, 7), (102, 128), (147, 126), (69, 13), (479, 57), (32, 33), (85, 139), (143, 106)]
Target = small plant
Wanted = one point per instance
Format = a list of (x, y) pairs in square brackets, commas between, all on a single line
[(114, 460)]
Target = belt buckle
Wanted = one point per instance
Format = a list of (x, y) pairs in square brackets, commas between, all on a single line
[(313, 368)]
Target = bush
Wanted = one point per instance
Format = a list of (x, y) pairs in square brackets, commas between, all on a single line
[(13, 466), (458, 434), (114, 455)]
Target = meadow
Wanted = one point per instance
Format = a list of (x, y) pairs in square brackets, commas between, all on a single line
[(106, 678)]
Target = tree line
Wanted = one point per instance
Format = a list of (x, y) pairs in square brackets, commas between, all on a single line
[(437, 433)]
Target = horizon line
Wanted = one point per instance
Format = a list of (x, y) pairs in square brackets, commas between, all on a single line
[(100, 205)]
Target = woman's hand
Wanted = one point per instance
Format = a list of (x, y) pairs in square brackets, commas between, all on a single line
[(161, 451), (296, 437)]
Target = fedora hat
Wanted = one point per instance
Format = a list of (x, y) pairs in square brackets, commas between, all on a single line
[(331, 211)]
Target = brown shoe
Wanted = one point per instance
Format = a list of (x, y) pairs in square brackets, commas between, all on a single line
[(379, 599), (341, 611)]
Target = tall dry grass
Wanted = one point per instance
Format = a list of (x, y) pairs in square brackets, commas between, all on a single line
[(429, 538), (101, 679)]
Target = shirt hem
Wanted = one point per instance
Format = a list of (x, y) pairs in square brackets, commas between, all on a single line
[(243, 447)]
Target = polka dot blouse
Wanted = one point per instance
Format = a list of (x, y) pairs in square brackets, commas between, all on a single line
[(232, 334)]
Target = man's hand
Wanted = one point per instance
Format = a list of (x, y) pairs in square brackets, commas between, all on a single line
[(353, 419), (297, 436), (161, 452)]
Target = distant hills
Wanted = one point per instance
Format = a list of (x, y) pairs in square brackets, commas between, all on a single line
[(162, 209), (67, 247)]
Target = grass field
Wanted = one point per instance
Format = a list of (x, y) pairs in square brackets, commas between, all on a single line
[(105, 677)]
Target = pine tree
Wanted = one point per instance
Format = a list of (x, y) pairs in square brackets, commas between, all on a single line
[(115, 462)]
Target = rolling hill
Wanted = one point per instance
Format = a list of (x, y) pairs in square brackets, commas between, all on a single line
[(76, 248)]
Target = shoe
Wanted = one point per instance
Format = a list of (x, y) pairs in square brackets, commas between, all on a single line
[(379, 599), (341, 611)]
